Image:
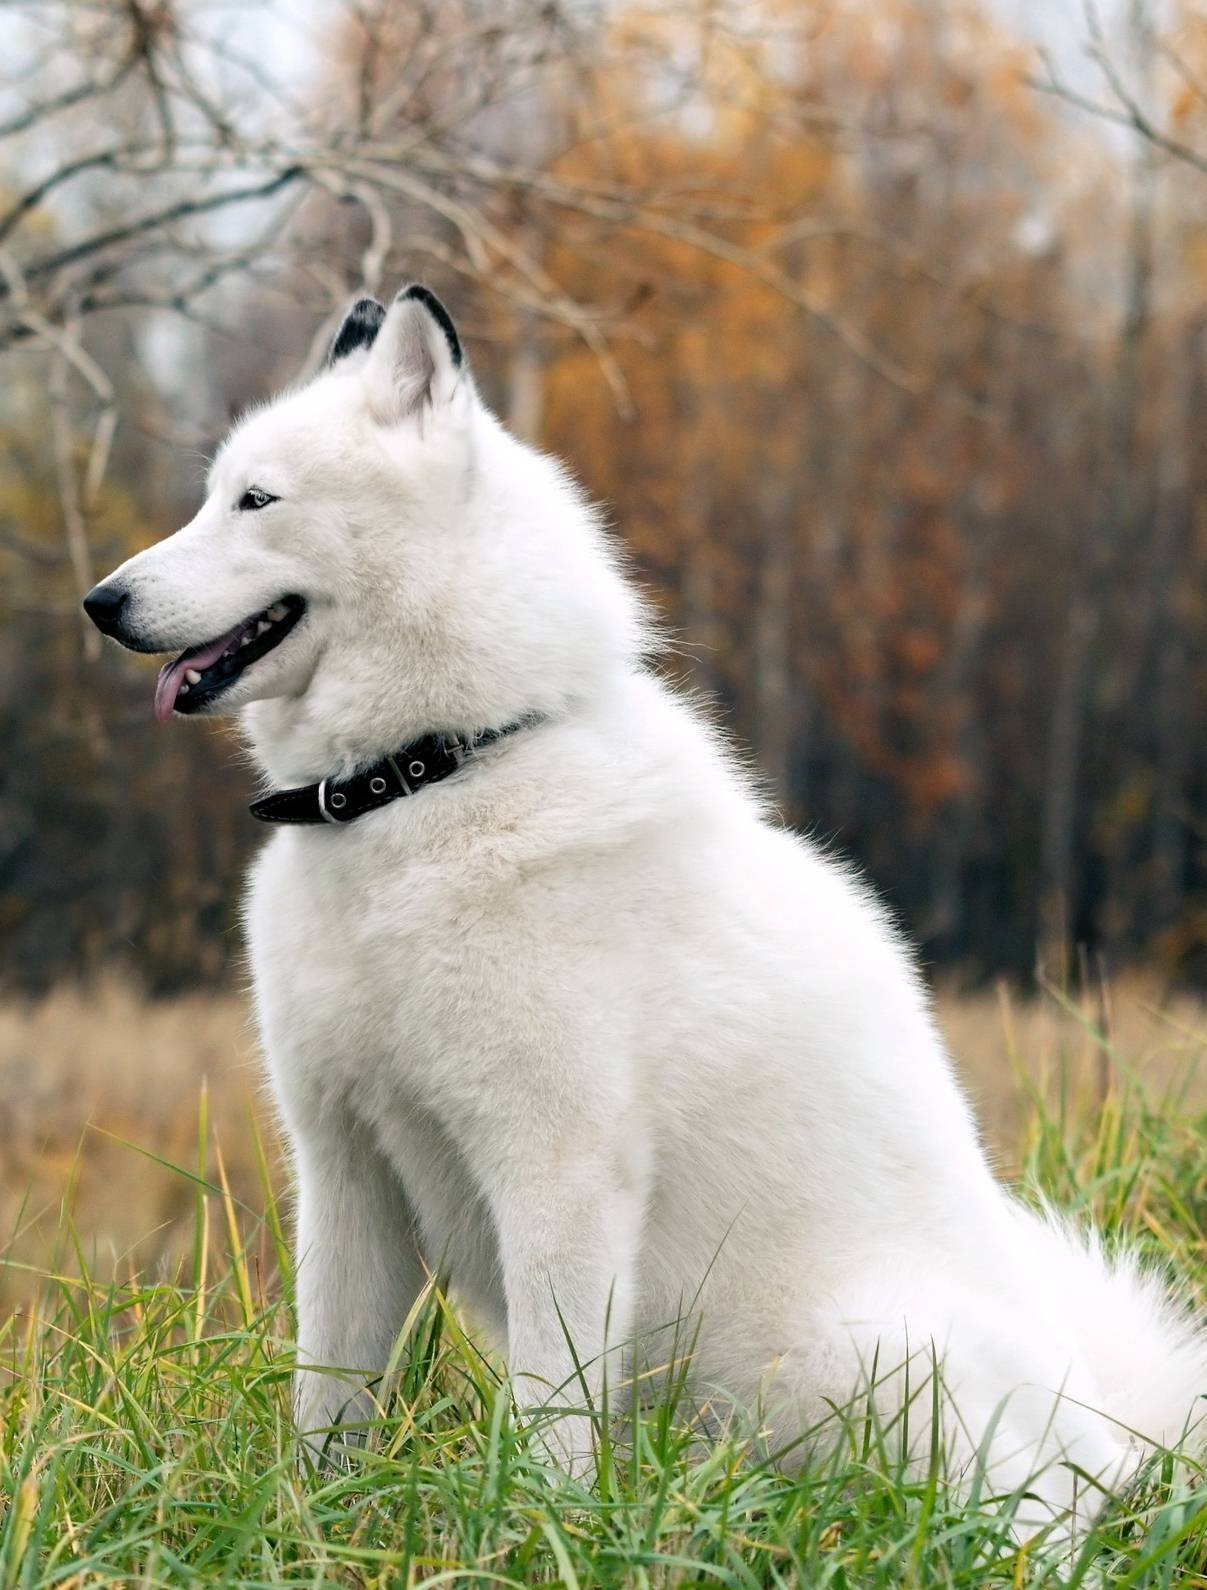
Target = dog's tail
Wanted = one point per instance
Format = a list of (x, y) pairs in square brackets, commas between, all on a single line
[(1144, 1347)]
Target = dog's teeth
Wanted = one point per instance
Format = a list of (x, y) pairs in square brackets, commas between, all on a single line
[(278, 612), (262, 626), (246, 641), (184, 689), (193, 677)]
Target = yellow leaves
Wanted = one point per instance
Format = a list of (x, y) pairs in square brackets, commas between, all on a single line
[(736, 76)]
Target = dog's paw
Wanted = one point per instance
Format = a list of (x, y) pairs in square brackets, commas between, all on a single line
[(563, 1441), (332, 1418)]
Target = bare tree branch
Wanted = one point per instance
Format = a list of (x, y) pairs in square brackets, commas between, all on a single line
[(182, 160), (1123, 109)]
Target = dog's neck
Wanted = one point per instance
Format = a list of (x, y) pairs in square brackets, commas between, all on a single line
[(332, 735), (366, 702), (294, 744)]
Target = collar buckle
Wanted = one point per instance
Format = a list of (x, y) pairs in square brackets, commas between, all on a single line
[(331, 802)]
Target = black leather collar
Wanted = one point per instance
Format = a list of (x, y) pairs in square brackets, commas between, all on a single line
[(404, 772)]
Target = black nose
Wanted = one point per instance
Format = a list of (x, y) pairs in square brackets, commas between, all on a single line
[(103, 604)]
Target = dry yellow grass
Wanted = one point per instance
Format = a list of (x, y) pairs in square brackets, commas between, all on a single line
[(85, 1072), (1004, 1043)]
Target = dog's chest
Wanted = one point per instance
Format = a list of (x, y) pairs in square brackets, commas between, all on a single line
[(358, 961)]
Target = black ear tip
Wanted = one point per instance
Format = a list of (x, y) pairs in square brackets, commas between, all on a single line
[(426, 297), (358, 330)]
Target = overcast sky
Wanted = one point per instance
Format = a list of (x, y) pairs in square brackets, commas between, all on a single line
[(1059, 25)]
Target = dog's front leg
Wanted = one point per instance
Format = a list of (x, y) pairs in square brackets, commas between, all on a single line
[(358, 1274), (568, 1236)]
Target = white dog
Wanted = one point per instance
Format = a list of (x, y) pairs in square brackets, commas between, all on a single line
[(552, 1004)]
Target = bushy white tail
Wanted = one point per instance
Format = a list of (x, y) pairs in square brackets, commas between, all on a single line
[(1143, 1347)]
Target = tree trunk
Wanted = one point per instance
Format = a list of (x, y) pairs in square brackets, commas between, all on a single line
[(526, 382), (772, 641)]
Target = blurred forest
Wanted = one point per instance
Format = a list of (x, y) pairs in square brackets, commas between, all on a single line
[(881, 335)]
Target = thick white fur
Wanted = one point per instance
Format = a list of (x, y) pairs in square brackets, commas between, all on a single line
[(583, 1025)]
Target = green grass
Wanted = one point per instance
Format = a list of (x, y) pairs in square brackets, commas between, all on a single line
[(145, 1437)]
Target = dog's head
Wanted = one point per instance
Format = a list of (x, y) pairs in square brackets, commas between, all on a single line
[(375, 554)]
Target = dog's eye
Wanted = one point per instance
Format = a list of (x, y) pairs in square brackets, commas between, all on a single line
[(254, 498)]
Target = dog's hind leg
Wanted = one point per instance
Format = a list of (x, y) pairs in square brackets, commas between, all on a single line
[(1019, 1417)]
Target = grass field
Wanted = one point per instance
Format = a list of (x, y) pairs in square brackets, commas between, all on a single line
[(144, 1428)]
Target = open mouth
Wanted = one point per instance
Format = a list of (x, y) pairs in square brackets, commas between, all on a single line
[(196, 678)]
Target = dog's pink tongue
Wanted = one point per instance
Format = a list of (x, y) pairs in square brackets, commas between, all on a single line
[(171, 675)]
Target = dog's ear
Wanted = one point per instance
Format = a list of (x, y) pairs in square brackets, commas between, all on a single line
[(416, 359), (359, 329)]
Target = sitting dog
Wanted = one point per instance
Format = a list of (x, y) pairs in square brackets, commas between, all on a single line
[(549, 1000)]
